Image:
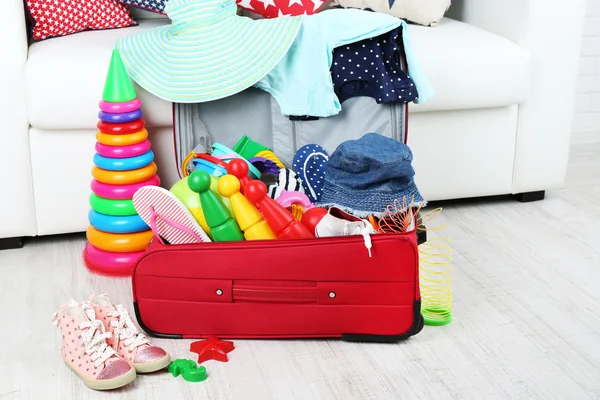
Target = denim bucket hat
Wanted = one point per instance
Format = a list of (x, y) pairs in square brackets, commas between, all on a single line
[(366, 175)]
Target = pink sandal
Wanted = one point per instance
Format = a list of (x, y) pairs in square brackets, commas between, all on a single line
[(167, 216)]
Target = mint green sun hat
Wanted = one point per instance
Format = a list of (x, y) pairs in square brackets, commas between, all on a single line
[(208, 52)]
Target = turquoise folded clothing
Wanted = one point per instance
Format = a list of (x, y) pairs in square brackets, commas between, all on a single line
[(301, 82)]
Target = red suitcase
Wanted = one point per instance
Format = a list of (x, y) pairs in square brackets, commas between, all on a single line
[(311, 288)]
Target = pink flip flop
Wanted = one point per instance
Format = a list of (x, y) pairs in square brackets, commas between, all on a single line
[(166, 215)]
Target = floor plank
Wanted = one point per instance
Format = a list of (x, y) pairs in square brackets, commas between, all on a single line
[(525, 284)]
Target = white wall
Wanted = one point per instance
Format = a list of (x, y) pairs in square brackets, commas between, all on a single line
[(586, 124)]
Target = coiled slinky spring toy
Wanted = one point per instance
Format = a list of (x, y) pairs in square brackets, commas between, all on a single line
[(435, 260)]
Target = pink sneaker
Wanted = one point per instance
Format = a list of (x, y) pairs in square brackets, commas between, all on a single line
[(85, 351), (126, 340)]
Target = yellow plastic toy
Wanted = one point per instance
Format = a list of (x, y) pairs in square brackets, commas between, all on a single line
[(124, 177), (249, 219), (297, 212), (192, 201), (269, 155)]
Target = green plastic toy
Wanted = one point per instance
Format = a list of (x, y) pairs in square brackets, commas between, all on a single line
[(223, 228), (118, 88), (188, 369), (248, 148)]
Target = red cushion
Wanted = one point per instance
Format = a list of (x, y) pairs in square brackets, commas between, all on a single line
[(52, 18), (279, 8)]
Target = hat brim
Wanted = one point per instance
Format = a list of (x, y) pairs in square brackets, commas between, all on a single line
[(362, 203), (206, 63)]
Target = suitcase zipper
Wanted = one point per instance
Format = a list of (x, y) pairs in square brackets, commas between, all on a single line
[(394, 121), (279, 243)]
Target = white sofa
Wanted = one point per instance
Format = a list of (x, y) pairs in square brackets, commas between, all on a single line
[(499, 124)]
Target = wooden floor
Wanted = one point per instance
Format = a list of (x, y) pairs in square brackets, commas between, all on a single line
[(526, 318)]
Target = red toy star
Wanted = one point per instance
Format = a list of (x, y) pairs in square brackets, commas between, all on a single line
[(212, 349)]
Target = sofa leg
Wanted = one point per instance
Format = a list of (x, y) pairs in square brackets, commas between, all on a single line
[(11, 243), (530, 196)]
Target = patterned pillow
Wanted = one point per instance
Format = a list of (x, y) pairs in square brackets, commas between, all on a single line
[(52, 18), (280, 8), (157, 6), (423, 12)]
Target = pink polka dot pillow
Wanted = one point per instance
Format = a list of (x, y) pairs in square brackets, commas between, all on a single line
[(53, 18)]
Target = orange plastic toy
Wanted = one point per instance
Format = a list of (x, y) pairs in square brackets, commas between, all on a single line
[(127, 139), (118, 242), (124, 177), (248, 217)]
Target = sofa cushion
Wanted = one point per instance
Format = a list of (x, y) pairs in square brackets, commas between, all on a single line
[(469, 68), (59, 18), (423, 12), (65, 80)]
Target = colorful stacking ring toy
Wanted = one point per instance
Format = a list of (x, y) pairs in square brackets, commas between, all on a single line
[(112, 207), (119, 242), (120, 129), (117, 224), (133, 150), (120, 118), (119, 108), (126, 139), (121, 192), (108, 263), (124, 164), (124, 177)]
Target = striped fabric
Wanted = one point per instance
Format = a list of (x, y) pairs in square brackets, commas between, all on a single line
[(287, 180), (207, 53)]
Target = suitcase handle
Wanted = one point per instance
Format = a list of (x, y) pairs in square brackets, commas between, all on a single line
[(274, 294)]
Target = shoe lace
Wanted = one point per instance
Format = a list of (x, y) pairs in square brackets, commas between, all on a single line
[(366, 230), (125, 329), (94, 338)]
